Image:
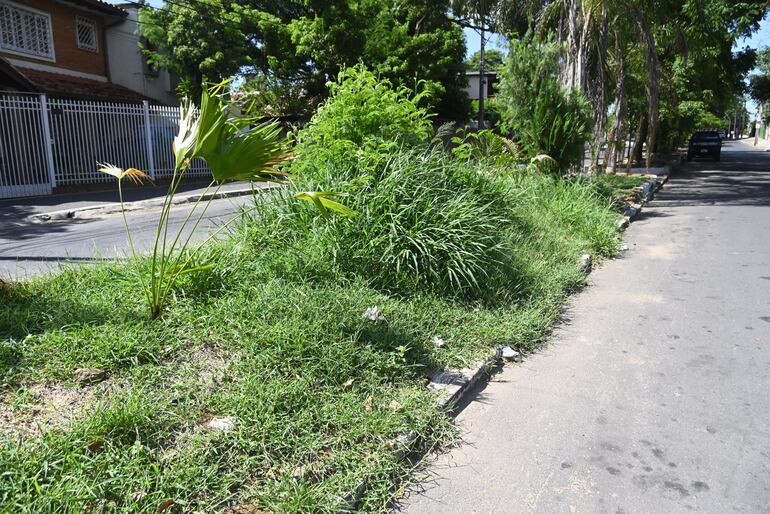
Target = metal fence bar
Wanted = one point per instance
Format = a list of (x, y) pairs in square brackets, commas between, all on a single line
[(24, 169), (148, 139), (47, 141)]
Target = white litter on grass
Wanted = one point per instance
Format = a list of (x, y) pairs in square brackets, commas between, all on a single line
[(223, 424), (374, 314), (438, 342)]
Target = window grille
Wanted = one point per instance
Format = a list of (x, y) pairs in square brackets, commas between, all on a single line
[(25, 31), (86, 32)]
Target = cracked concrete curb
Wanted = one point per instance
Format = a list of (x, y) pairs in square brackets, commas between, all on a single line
[(453, 385), (113, 208), (648, 191)]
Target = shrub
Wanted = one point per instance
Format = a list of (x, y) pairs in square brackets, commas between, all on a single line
[(364, 111), (544, 116), (485, 145)]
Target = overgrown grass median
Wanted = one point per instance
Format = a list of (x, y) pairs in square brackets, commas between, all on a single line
[(263, 388)]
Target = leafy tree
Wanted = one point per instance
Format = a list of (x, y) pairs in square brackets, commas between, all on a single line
[(544, 115), (760, 88), (307, 42), (197, 41)]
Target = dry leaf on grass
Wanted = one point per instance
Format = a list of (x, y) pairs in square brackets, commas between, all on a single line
[(164, 506)]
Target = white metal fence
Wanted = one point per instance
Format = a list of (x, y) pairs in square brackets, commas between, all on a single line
[(50, 142)]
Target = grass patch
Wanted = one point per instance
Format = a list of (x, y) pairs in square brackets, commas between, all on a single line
[(262, 386), (276, 341), (622, 189)]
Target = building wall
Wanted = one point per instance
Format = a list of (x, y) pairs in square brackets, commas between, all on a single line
[(127, 64), (473, 85), (67, 55)]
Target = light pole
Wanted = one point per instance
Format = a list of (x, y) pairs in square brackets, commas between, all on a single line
[(482, 78)]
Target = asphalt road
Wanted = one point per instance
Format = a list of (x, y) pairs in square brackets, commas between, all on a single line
[(35, 248), (653, 396)]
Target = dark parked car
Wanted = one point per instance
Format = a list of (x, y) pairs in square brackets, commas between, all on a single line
[(705, 142)]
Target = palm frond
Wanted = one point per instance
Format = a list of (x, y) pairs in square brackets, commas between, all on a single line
[(134, 175)]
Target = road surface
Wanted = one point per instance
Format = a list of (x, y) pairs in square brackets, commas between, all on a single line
[(35, 248), (653, 396)]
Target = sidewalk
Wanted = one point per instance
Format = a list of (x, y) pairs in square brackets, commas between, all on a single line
[(762, 144), (16, 211), (651, 397)]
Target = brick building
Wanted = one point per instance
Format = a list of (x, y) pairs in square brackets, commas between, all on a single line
[(63, 47)]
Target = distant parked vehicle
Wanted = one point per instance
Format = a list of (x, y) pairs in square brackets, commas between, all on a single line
[(723, 134), (705, 142)]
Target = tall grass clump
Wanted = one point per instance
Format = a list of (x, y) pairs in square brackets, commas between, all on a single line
[(425, 221)]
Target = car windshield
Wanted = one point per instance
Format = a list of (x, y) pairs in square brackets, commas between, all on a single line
[(705, 136)]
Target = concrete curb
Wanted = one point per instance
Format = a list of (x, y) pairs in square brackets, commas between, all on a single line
[(112, 208), (452, 385), (647, 190)]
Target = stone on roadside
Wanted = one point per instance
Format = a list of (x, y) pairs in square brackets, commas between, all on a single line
[(374, 314), (586, 264), (510, 354), (87, 376)]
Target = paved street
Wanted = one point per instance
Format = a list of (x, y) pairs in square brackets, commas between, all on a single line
[(653, 396), (33, 248)]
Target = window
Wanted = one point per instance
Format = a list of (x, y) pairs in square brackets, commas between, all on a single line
[(86, 33), (25, 31)]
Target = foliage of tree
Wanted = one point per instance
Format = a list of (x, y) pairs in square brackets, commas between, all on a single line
[(645, 66), (302, 44), (493, 59), (759, 83), (544, 115)]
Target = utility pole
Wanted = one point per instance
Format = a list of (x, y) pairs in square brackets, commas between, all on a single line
[(758, 124), (482, 78)]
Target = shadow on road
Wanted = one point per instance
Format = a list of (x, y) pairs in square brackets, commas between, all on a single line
[(742, 177), (14, 230), (74, 260)]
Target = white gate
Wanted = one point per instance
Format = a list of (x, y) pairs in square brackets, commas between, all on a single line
[(24, 157), (51, 142)]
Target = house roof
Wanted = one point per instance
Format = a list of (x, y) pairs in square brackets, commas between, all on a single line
[(57, 84), (11, 78), (100, 6), (476, 73)]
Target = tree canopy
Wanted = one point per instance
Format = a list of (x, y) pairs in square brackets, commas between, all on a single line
[(651, 70), (307, 42)]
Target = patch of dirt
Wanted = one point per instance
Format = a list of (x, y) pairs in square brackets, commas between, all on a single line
[(209, 365), (44, 406), (199, 372)]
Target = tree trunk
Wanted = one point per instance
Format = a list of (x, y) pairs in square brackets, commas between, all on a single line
[(620, 114), (598, 89), (571, 22), (636, 152), (583, 47), (653, 82)]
